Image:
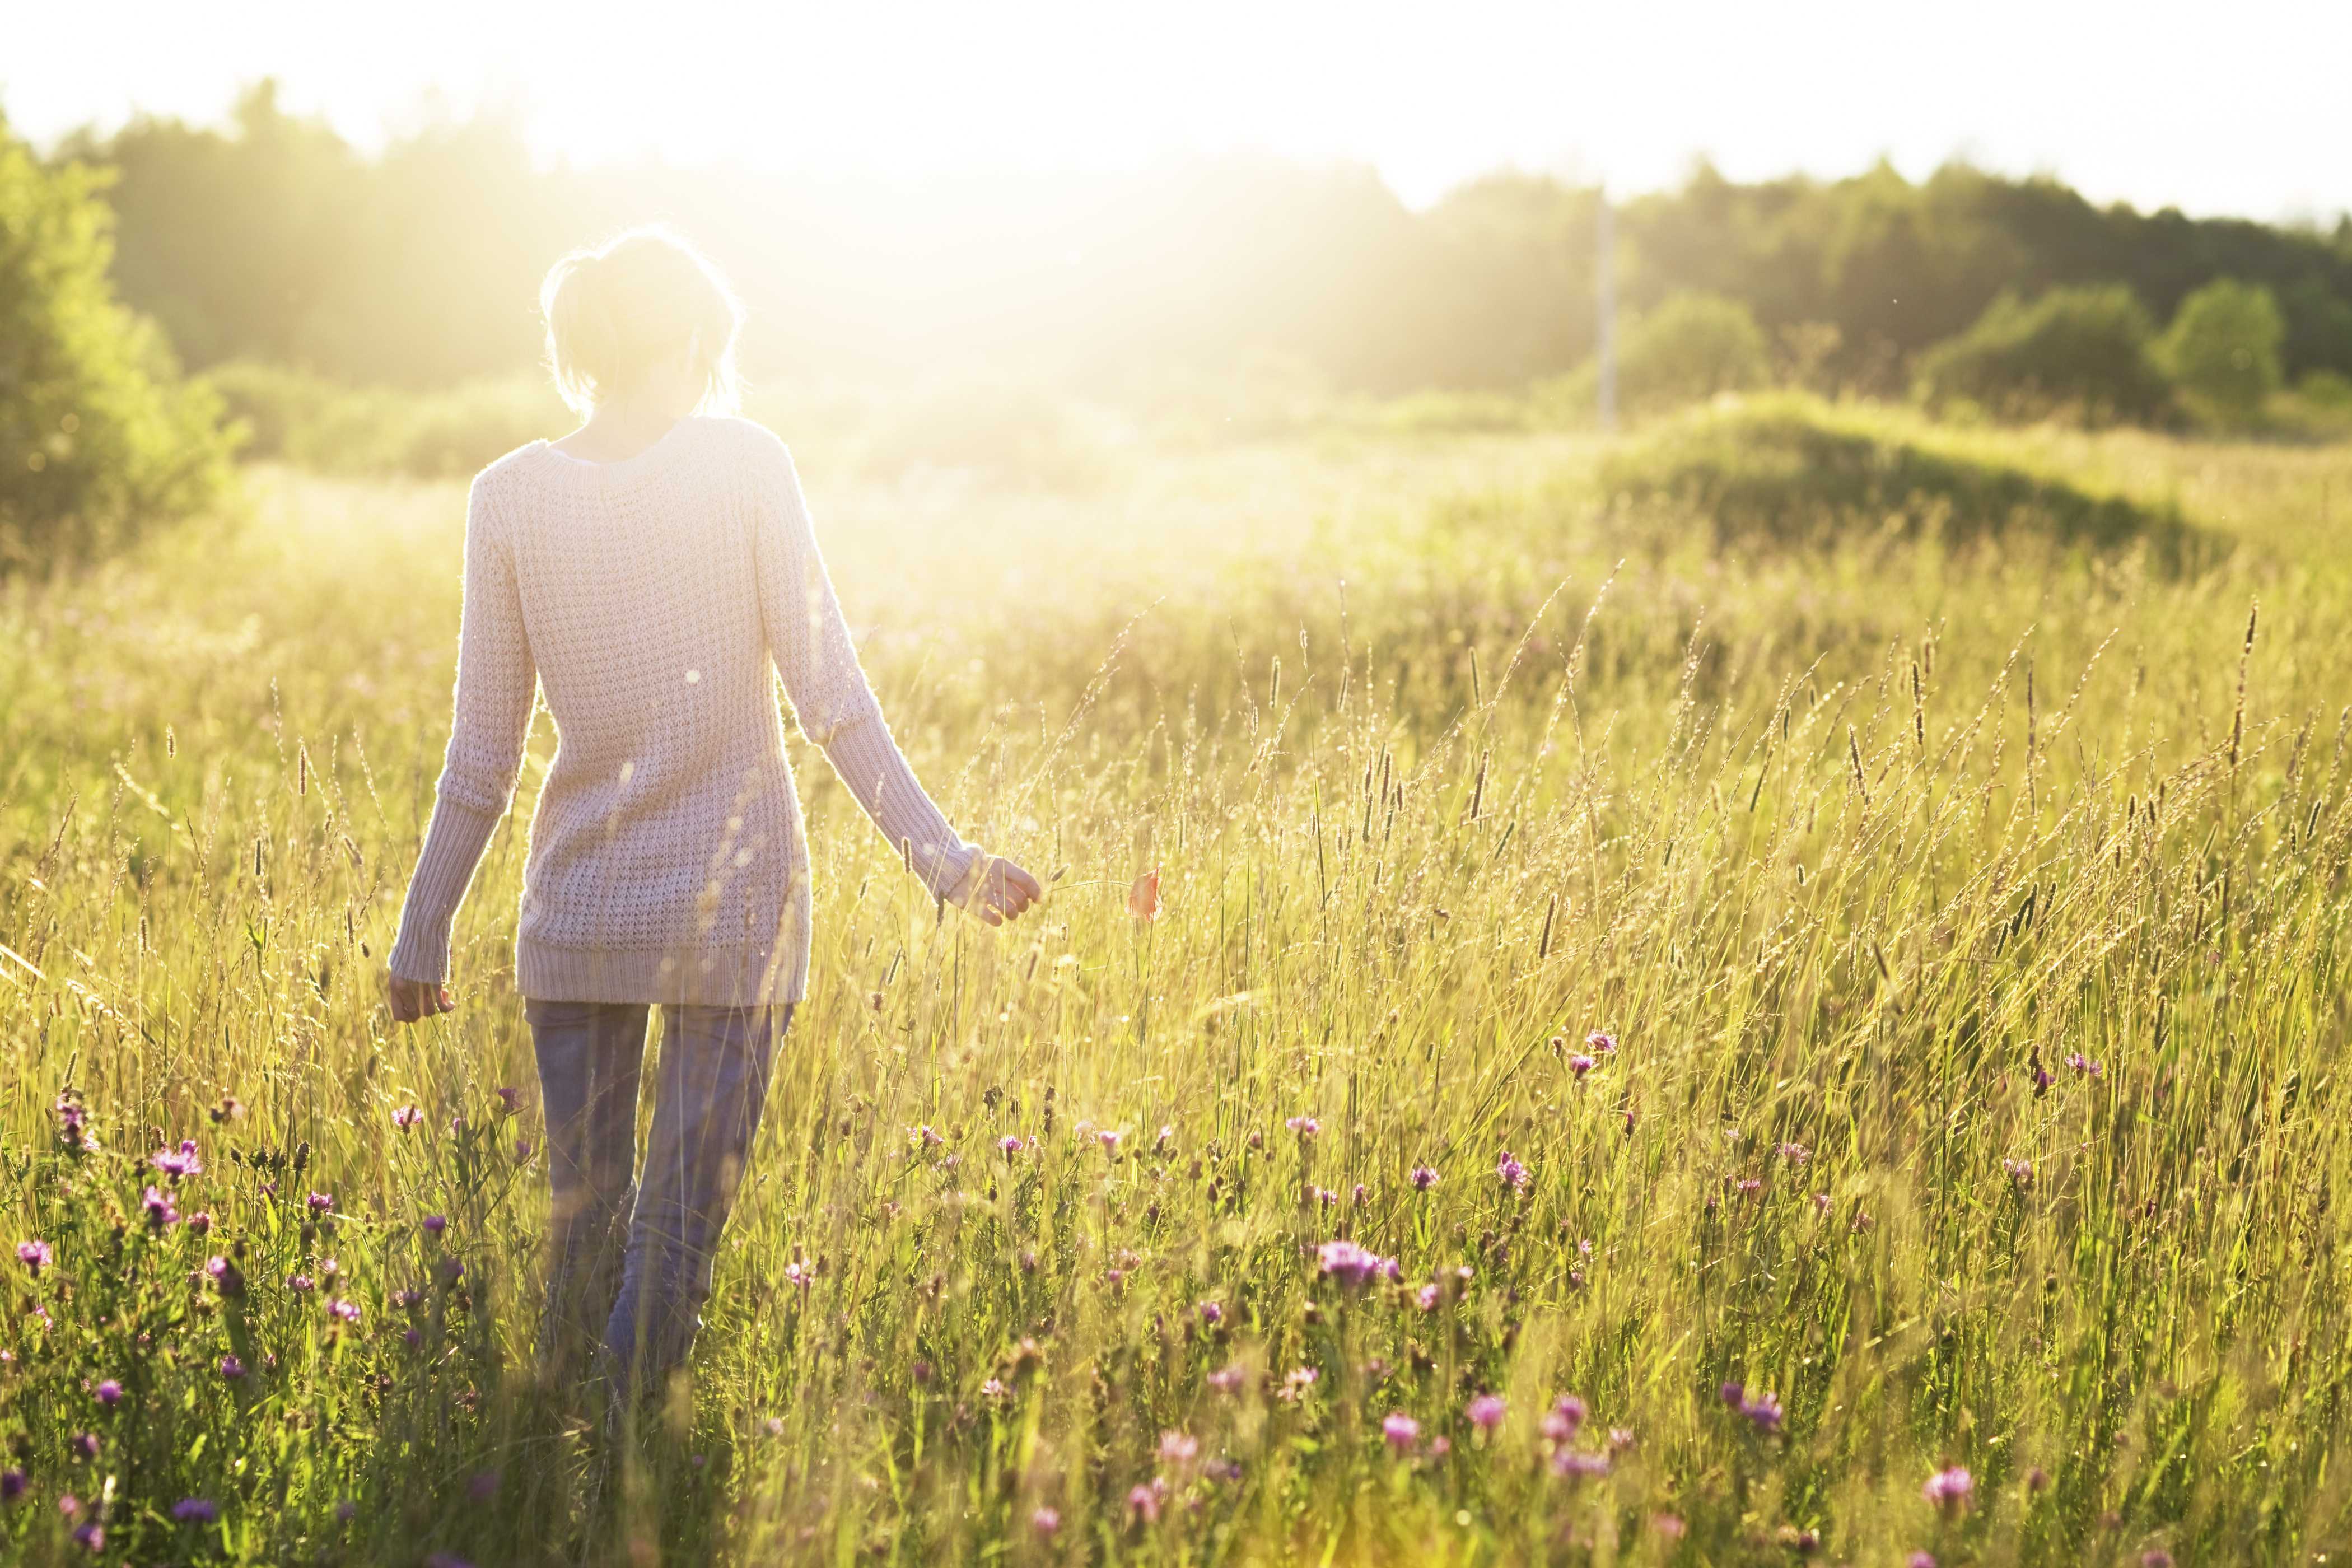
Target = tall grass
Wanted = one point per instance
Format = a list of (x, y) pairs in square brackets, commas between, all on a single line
[(1966, 917)]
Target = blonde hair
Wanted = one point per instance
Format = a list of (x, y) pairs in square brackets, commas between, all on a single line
[(616, 309)]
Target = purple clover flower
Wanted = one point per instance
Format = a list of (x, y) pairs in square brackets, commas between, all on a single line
[(108, 1393), (1949, 1487), (1600, 1043), (1422, 1178), (1045, 1521), (1143, 1503), (435, 1224), (1305, 1126), (320, 1203), (13, 1483), (194, 1511), (231, 1368), (1565, 1419), (1352, 1266), (33, 1255), (178, 1162), (84, 1444), (1485, 1412), (158, 1204), (1514, 1177), (1402, 1432), (347, 1310)]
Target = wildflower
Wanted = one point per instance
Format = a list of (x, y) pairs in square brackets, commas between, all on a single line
[(1667, 1525), (1579, 1064), (347, 1510), (452, 1270), (1361, 1194), (507, 1106), (1212, 1313), (1178, 1447), (1948, 1488), (1143, 1503), (231, 1368), (1576, 1462), (1795, 1153), (1161, 1142), (68, 1505), (345, 1310), (2042, 1076), (1402, 1431), (1296, 1383), (1227, 1379), (2020, 1173), (2037, 1480), (993, 1389), (90, 1537), (1822, 1204), (1422, 1178), (407, 1117), (1305, 1126), (1514, 1175), (925, 1136), (1439, 1446), (194, 1511), (158, 1204), (1143, 898), (84, 1444), (1920, 1559), (299, 1282), (1619, 1438), (799, 1274), (1485, 1412), (320, 1203), (1324, 1195), (1600, 1043), (2156, 1557), (1045, 1521), (13, 1483), (1565, 1419), (1426, 1297), (1010, 1145), (73, 1120), (2082, 1063), (1749, 1186), (1764, 1410), (33, 1254), (108, 1393), (446, 1560), (407, 1299), (1352, 1266), (199, 1221), (1110, 1140), (177, 1163)]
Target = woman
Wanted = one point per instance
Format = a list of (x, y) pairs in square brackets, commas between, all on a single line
[(645, 573)]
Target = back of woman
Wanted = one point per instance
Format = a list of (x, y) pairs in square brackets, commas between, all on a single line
[(652, 574)]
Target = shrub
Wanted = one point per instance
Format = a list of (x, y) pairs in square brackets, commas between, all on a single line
[(99, 438), (1789, 470), (2084, 351), (316, 422), (1690, 348), (2223, 349)]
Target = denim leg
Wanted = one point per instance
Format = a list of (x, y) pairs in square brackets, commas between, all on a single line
[(710, 1089), (590, 1055)]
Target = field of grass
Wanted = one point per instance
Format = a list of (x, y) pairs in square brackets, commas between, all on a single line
[(1806, 1009)]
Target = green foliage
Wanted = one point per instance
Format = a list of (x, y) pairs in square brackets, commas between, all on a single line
[(310, 420), (1689, 348), (271, 240), (2223, 349), (1857, 851), (1790, 471), (2082, 351), (100, 440)]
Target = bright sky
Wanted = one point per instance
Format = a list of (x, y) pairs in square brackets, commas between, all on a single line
[(2236, 108)]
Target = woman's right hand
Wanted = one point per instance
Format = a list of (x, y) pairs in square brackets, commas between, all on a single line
[(998, 891)]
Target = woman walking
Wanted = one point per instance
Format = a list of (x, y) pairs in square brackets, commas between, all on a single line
[(645, 573)]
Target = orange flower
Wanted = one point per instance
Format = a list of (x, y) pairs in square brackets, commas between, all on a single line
[(1143, 898)]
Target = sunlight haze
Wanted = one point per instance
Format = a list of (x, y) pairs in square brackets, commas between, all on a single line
[(2154, 104)]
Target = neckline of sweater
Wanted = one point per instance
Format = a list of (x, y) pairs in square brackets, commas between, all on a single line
[(550, 461)]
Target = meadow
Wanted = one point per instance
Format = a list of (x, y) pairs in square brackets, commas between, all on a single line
[(1718, 996)]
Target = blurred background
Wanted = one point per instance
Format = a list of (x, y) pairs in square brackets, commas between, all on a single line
[(1012, 243)]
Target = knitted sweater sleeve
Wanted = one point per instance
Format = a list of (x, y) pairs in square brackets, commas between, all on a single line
[(497, 682), (830, 698)]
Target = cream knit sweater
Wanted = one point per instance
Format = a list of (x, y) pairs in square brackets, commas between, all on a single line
[(646, 599)]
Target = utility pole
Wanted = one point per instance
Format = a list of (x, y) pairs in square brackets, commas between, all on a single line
[(1605, 290)]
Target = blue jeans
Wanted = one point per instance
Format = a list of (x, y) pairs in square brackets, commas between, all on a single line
[(656, 1229)]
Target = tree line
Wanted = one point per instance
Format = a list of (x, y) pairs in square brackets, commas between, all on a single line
[(272, 238)]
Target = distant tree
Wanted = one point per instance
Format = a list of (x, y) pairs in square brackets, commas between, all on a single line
[(1690, 347), (2223, 349), (99, 438), (2084, 351)]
